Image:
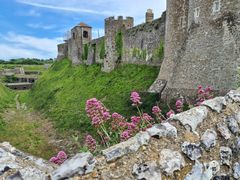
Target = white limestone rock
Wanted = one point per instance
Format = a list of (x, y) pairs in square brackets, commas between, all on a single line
[(163, 130), (192, 150), (232, 125), (196, 172), (223, 130), (148, 171), (216, 104), (236, 170), (126, 147), (233, 95), (29, 173), (213, 167), (225, 155), (237, 117), (14, 164), (192, 118), (203, 171), (171, 161), (80, 164), (209, 139)]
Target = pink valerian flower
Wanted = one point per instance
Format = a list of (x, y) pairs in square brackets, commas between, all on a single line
[(170, 113), (118, 121), (179, 105), (135, 98), (62, 155), (59, 159), (146, 117), (96, 121), (125, 135), (91, 143), (97, 112), (156, 110), (54, 160), (135, 119), (204, 94), (117, 116), (131, 126), (106, 115)]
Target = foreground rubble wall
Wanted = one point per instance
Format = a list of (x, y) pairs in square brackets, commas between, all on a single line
[(201, 143)]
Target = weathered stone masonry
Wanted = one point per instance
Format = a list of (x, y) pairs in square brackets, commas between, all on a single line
[(202, 45), (140, 43)]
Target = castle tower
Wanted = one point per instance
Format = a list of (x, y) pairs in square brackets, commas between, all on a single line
[(112, 28), (202, 45), (80, 35), (149, 16)]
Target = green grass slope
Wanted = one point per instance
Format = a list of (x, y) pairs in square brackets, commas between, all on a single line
[(62, 91), (6, 97)]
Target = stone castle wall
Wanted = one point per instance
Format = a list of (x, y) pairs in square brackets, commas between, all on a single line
[(201, 44), (94, 51), (62, 51), (141, 43)]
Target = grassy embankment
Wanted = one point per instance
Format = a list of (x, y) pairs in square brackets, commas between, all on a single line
[(62, 91), (22, 129)]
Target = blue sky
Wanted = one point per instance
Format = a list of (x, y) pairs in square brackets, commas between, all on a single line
[(33, 28)]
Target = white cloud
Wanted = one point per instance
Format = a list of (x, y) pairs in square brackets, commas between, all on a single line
[(63, 8), (135, 8), (17, 45), (41, 26)]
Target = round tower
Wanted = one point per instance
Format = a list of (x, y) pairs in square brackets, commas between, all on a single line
[(201, 46), (175, 36)]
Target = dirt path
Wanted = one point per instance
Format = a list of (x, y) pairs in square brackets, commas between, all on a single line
[(31, 132)]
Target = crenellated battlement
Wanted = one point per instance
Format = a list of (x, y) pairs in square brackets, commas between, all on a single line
[(112, 23)]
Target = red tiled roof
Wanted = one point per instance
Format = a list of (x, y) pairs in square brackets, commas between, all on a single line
[(83, 25)]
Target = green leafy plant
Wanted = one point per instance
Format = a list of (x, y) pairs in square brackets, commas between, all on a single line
[(119, 44), (102, 50), (140, 54), (85, 52), (159, 52)]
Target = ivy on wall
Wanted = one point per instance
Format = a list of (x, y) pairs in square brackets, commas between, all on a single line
[(159, 52), (139, 54), (102, 50), (119, 44), (85, 52)]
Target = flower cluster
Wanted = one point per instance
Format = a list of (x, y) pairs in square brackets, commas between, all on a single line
[(113, 128), (118, 121), (135, 98), (97, 112), (170, 113), (90, 143), (156, 110), (158, 113), (179, 105), (204, 94), (59, 159)]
